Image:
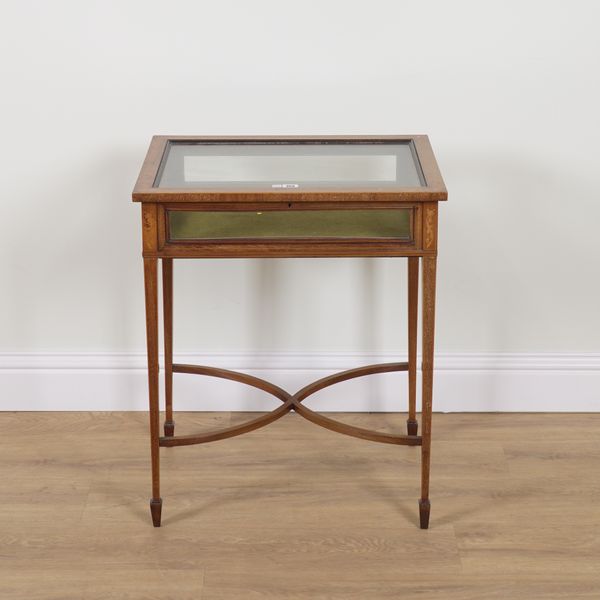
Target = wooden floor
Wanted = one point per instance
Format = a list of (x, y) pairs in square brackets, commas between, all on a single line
[(296, 512)]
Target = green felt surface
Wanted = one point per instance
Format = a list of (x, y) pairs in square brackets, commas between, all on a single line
[(384, 223)]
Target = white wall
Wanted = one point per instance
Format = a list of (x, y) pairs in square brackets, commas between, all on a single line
[(508, 92)]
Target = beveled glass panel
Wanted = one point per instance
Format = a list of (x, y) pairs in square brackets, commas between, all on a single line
[(287, 165), (277, 224)]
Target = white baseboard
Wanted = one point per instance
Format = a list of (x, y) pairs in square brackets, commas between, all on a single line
[(463, 382)]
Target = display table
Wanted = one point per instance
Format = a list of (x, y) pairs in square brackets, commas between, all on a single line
[(272, 197)]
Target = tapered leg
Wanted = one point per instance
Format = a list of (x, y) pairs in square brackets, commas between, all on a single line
[(167, 278), (412, 426), (428, 269), (150, 284)]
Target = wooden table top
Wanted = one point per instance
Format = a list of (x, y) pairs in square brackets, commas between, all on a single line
[(339, 169)]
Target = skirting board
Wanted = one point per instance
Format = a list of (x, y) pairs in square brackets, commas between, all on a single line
[(473, 382)]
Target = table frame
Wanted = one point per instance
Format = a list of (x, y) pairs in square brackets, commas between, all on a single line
[(422, 248)]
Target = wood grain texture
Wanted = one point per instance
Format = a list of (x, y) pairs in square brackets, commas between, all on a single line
[(318, 248), (430, 226), (167, 277), (428, 266), (413, 317), (151, 295), (294, 512), (291, 402)]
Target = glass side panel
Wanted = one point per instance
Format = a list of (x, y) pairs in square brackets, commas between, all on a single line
[(202, 225), (289, 165)]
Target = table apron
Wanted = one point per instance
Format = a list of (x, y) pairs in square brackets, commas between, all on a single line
[(156, 242)]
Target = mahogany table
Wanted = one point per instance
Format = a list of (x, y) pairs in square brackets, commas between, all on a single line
[(262, 197)]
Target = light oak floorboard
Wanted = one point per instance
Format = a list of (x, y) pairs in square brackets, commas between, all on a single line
[(293, 511)]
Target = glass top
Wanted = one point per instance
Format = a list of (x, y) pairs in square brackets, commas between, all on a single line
[(289, 165)]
